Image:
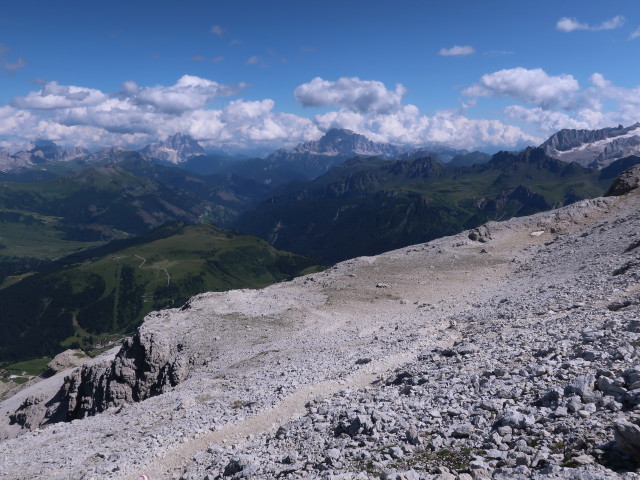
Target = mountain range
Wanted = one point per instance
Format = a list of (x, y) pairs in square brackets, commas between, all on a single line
[(591, 148), (321, 200), (368, 206)]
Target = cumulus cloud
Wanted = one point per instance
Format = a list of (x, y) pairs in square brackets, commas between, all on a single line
[(136, 114), (189, 93), (532, 86), (457, 51), (139, 114), (547, 121), (408, 126), (598, 80), (567, 24), (350, 93), (53, 96), (252, 60), (635, 34), (600, 105)]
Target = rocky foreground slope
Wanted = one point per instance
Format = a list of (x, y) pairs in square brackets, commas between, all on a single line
[(507, 352)]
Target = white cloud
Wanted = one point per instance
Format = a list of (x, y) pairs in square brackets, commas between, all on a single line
[(54, 96), (88, 117), (635, 34), (457, 51), (566, 24), (598, 80), (252, 60), (545, 120), (137, 114), (613, 24), (189, 93), (408, 126), (217, 30), (350, 93), (532, 86)]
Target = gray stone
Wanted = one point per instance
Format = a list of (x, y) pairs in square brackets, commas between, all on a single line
[(627, 436), (514, 419)]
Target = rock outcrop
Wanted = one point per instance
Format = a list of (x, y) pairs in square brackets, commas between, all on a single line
[(627, 181), (147, 364), (67, 359)]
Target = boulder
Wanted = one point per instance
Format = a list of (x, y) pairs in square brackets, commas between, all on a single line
[(627, 181)]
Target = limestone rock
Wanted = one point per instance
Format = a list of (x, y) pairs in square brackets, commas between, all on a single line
[(627, 436), (67, 359)]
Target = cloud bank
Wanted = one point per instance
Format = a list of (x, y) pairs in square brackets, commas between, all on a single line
[(549, 103), (539, 104)]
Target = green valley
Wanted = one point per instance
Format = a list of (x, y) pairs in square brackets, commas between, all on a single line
[(73, 301)]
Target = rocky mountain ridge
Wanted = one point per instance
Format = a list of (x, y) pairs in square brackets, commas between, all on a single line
[(43, 151), (594, 148), (505, 352), (344, 142), (175, 149)]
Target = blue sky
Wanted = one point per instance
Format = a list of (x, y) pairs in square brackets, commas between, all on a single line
[(243, 75)]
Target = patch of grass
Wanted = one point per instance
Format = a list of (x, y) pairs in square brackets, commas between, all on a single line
[(453, 459), (32, 367)]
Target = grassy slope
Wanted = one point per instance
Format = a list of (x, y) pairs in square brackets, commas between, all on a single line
[(105, 291)]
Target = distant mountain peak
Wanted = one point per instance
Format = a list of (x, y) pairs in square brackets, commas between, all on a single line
[(340, 142), (45, 143), (176, 148), (594, 148)]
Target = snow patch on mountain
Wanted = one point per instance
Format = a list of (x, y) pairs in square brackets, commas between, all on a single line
[(594, 148)]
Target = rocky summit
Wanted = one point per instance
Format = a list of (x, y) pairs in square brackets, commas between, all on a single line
[(507, 352)]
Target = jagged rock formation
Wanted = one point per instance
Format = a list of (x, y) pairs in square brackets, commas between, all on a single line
[(594, 148), (176, 149), (509, 358), (148, 364)]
